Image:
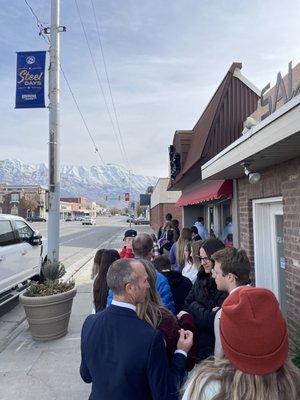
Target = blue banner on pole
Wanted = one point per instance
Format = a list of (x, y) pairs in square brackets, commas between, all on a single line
[(30, 79)]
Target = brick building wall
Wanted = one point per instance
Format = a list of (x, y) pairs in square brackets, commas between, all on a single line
[(157, 215), (278, 180)]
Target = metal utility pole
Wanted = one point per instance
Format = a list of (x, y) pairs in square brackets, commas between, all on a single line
[(54, 128), (129, 177)]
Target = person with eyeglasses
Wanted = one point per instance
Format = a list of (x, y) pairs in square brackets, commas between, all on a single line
[(205, 299), (231, 272)]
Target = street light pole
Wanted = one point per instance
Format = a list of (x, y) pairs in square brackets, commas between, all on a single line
[(129, 177), (54, 134)]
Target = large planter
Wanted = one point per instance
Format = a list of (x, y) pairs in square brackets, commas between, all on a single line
[(48, 316)]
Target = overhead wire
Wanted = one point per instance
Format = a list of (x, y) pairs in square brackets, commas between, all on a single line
[(41, 33), (108, 82), (38, 22), (82, 117), (123, 154)]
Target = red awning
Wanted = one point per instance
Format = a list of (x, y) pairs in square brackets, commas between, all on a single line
[(211, 191)]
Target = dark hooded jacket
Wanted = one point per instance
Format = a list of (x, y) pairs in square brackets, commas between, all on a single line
[(180, 287), (200, 302)]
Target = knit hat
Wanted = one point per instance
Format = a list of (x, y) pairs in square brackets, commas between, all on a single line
[(253, 331)]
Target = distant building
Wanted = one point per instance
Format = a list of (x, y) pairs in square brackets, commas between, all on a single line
[(80, 201), (23, 200), (73, 207), (163, 202), (78, 207)]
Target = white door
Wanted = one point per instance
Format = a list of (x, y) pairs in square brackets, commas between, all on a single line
[(268, 246)]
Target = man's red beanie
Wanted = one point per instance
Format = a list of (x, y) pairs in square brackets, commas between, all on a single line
[(253, 331)]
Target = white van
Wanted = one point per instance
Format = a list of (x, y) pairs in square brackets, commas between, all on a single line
[(21, 254)]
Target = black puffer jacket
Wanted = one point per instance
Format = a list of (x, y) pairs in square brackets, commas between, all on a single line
[(180, 287), (201, 300)]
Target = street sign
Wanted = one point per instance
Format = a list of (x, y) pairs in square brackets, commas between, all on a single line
[(112, 198)]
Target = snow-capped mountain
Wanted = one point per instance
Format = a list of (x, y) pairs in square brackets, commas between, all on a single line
[(94, 183)]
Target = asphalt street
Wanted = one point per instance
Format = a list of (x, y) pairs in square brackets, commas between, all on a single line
[(77, 240)]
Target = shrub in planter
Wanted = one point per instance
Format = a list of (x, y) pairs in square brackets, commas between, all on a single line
[(51, 273), (48, 304)]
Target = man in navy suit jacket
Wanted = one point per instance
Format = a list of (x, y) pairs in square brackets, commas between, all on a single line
[(123, 356)]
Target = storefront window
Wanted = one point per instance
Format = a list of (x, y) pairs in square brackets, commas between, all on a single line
[(211, 222), (14, 198)]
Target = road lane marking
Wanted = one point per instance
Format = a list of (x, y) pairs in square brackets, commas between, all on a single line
[(21, 345)]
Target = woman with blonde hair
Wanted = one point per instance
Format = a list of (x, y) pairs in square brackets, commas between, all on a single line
[(152, 311), (255, 342), (176, 255), (192, 264)]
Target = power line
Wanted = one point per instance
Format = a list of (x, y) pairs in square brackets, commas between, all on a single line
[(82, 117), (38, 22), (100, 84), (41, 33), (108, 83)]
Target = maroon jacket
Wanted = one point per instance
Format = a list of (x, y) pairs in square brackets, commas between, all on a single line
[(169, 328)]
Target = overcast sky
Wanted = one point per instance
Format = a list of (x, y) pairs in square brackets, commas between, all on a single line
[(164, 58)]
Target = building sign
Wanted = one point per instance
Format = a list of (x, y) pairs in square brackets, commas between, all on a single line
[(285, 89), (175, 162), (30, 79), (145, 199)]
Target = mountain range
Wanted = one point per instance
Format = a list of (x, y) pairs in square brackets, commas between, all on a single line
[(95, 182)]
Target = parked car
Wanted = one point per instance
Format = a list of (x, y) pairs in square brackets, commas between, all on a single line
[(69, 219), (36, 219), (130, 219), (22, 251), (88, 221), (141, 221)]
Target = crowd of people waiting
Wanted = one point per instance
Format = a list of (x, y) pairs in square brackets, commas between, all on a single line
[(176, 317)]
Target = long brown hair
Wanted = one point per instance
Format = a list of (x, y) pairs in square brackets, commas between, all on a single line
[(100, 288), (184, 238), (97, 261), (283, 384), (151, 309)]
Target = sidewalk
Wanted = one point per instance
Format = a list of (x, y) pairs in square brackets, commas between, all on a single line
[(32, 370)]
